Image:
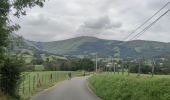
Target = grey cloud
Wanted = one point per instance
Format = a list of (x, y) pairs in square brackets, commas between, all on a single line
[(103, 22), (109, 19)]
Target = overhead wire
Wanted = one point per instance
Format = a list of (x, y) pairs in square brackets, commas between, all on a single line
[(149, 26), (146, 21)]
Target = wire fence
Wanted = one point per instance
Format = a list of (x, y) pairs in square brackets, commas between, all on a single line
[(33, 82)]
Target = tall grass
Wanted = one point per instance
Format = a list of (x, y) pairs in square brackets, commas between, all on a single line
[(109, 86)]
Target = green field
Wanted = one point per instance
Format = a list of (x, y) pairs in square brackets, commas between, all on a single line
[(34, 82), (110, 86), (39, 67)]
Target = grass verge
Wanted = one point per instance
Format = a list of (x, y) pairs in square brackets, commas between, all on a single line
[(122, 87)]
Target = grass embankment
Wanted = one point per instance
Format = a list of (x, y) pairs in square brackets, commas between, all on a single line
[(38, 81), (122, 87)]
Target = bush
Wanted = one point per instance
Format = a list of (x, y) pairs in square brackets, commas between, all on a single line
[(10, 76)]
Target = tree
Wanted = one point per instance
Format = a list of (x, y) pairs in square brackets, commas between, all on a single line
[(37, 61), (5, 29), (86, 64)]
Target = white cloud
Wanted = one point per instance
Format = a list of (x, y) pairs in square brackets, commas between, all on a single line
[(108, 19)]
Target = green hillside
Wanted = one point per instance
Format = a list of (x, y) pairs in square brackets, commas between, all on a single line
[(81, 46), (90, 45)]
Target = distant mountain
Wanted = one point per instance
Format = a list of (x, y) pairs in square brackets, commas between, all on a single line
[(19, 45), (90, 45)]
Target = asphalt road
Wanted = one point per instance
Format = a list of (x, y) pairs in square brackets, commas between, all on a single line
[(75, 89)]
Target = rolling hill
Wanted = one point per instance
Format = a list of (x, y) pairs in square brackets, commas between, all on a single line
[(90, 45)]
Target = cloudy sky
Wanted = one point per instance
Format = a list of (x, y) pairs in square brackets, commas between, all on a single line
[(106, 19)]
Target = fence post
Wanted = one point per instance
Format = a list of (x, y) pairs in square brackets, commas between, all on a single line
[(34, 82), (42, 81), (23, 86), (29, 84), (51, 76), (45, 76), (38, 81)]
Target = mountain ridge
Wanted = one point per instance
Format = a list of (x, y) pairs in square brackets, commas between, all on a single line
[(86, 45)]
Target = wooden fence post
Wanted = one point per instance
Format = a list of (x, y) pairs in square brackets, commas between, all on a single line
[(29, 84), (23, 87), (34, 82)]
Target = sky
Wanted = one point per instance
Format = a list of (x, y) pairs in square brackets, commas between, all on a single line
[(105, 19)]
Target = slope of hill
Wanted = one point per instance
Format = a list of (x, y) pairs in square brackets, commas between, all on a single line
[(77, 46), (90, 45)]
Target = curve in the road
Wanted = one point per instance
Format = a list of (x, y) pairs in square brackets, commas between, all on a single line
[(75, 89)]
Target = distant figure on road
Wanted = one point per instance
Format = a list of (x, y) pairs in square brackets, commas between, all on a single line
[(69, 75)]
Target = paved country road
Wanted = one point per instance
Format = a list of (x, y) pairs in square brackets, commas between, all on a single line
[(75, 89)]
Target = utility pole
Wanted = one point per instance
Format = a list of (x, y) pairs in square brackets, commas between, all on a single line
[(139, 68), (122, 67), (129, 65), (153, 67), (114, 68), (112, 64), (96, 62)]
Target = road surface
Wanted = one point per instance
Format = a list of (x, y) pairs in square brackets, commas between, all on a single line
[(75, 89)]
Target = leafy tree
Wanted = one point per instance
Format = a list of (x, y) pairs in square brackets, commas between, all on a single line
[(86, 64), (9, 83), (37, 61), (5, 23)]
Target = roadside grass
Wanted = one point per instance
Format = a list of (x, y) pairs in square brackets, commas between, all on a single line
[(34, 82), (110, 86)]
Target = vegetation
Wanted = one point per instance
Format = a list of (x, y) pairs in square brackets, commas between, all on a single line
[(111, 86), (10, 68), (10, 76), (89, 45)]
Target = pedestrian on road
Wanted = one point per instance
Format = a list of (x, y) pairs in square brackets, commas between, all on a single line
[(69, 75)]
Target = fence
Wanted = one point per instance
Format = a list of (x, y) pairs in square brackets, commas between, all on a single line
[(36, 81)]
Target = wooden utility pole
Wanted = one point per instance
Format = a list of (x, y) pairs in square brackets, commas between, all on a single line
[(96, 62), (114, 66), (153, 67), (129, 64), (139, 68), (122, 67)]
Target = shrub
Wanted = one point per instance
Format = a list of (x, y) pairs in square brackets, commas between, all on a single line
[(10, 76)]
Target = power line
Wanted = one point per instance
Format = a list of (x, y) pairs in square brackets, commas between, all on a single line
[(149, 26), (146, 21)]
